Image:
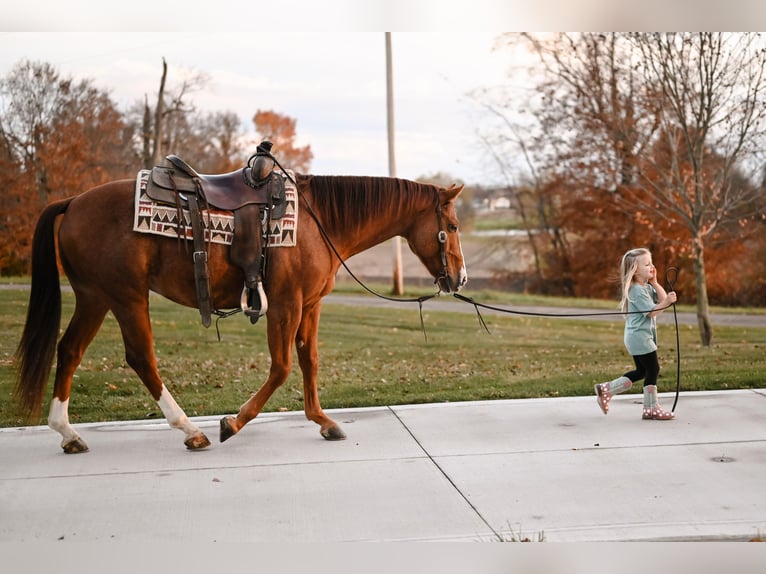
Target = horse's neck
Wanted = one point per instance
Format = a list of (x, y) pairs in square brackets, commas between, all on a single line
[(376, 232), (373, 226)]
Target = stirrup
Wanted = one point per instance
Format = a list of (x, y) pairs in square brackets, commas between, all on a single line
[(603, 396), (657, 414), (254, 302)]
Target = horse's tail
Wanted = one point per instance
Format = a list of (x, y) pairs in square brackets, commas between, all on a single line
[(37, 347)]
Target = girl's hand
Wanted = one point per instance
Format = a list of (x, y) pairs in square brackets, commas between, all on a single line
[(653, 274)]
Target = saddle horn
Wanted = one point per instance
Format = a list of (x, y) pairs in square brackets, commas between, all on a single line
[(261, 168)]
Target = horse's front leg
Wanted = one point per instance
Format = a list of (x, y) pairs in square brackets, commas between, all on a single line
[(281, 328), (308, 359), (176, 417)]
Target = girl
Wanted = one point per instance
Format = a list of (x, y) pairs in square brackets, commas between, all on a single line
[(640, 292)]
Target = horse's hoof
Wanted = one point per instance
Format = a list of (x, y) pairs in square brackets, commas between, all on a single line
[(75, 446), (333, 432), (227, 430), (197, 442)]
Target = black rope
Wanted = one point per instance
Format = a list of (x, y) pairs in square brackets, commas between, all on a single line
[(671, 286), (419, 300), (542, 314), (671, 275), (223, 315)]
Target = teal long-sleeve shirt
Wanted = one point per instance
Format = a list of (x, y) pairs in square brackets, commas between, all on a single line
[(640, 329)]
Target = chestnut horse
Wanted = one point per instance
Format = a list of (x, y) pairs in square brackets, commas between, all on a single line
[(112, 268)]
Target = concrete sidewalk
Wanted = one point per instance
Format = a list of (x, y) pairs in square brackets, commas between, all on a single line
[(555, 469)]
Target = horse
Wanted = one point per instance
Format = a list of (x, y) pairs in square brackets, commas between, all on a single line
[(110, 267)]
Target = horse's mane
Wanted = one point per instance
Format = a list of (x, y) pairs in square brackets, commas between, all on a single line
[(348, 201)]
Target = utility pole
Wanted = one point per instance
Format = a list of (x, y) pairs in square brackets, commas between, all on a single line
[(398, 286)]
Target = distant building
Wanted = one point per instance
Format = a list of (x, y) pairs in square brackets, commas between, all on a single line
[(502, 202)]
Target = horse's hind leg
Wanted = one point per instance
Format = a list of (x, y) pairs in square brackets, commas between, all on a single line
[(86, 320), (139, 353)]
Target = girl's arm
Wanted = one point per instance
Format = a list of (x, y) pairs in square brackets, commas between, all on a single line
[(665, 299)]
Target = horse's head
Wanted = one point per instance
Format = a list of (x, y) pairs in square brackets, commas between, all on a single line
[(434, 237)]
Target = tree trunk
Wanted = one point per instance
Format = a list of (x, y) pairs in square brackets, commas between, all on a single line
[(703, 311), (158, 117), (146, 136), (531, 238)]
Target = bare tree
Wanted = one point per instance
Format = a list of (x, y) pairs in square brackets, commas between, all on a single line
[(166, 127), (593, 116), (216, 141), (666, 123), (709, 91)]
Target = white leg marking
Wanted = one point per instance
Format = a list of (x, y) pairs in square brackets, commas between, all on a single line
[(58, 420), (174, 414)]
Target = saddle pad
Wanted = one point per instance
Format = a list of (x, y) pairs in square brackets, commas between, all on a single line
[(159, 219)]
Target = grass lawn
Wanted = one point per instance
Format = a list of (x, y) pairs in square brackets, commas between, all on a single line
[(377, 356)]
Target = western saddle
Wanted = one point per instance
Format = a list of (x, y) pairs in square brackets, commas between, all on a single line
[(254, 194)]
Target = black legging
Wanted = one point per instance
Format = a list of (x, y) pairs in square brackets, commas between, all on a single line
[(646, 366)]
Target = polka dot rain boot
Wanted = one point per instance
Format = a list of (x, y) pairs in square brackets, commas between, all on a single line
[(652, 409), (605, 391)]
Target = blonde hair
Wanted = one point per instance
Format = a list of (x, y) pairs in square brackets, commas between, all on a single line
[(628, 267)]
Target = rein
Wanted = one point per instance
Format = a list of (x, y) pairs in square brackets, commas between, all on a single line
[(441, 236), (419, 300)]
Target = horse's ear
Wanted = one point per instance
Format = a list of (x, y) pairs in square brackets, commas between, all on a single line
[(450, 193)]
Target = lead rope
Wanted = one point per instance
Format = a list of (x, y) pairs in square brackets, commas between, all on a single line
[(671, 282), (671, 275), (477, 304)]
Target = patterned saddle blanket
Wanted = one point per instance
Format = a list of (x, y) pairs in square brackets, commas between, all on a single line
[(158, 218)]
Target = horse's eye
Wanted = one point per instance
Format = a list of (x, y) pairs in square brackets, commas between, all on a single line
[(452, 227)]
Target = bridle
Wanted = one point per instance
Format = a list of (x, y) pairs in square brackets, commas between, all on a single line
[(441, 237)]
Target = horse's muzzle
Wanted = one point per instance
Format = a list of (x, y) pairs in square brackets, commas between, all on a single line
[(447, 285)]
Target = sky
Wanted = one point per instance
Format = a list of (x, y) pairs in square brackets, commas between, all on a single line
[(323, 63), (333, 85)]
